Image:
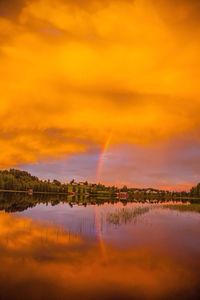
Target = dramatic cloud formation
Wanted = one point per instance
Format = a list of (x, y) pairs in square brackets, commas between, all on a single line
[(74, 72)]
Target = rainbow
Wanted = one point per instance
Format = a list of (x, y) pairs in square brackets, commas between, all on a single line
[(102, 157), (98, 227)]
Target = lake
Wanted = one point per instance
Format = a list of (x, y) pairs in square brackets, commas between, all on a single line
[(57, 248)]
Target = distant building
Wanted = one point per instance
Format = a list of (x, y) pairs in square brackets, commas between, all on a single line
[(122, 195), (30, 191)]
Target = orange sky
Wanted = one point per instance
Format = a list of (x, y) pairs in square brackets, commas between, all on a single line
[(74, 71)]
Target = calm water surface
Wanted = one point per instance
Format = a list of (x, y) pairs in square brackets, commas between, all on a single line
[(111, 251)]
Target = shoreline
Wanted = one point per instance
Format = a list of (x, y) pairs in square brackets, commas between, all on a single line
[(69, 194), (26, 192)]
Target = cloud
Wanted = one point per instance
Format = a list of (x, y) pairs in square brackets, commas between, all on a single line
[(172, 165), (73, 71), (11, 8), (179, 12)]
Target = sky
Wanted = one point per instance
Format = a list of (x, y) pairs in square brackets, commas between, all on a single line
[(101, 90)]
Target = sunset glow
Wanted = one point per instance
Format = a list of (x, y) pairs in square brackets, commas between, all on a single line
[(79, 76)]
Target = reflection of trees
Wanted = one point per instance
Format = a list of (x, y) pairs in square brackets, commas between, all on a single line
[(126, 215), (13, 202)]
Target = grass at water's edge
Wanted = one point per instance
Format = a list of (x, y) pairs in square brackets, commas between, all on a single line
[(191, 207)]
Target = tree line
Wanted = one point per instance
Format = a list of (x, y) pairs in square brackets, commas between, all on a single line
[(17, 180), (195, 191), (23, 181)]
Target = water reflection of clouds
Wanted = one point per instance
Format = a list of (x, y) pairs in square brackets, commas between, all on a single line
[(156, 226), (45, 262), (80, 219)]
